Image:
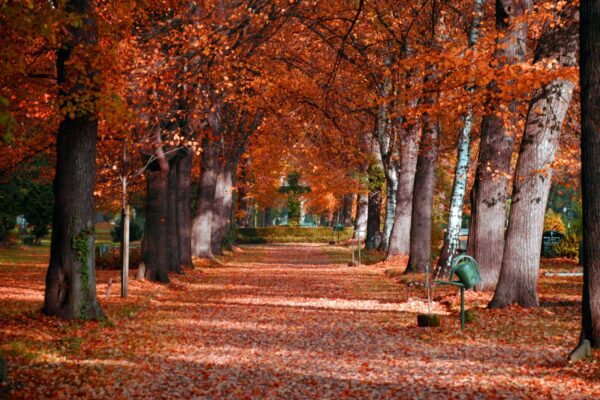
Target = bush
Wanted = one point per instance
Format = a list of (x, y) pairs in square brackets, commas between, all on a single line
[(567, 248), (38, 207), (136, 229), (288, 234), (553, 222)]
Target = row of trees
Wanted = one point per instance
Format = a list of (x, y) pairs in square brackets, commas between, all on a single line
[(363, 99)]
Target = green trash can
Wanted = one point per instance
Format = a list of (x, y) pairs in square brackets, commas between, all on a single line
[(465, 267)]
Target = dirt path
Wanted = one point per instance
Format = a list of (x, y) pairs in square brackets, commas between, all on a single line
[(288, 322)]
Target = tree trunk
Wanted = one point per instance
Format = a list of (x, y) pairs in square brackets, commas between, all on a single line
[(531, 184), (184, 215), (387, 152), (233, 204), (218, 213), (348, 202), (590, 168), (422, 205), (172, 242), (490, 191), (360, 221), (399, 243), (71, 278), (374, 213), (201, 227), (459, 187), (155, 248), (391, 185), (228, 213)]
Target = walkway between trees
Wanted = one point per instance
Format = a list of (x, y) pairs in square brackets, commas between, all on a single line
[(286, 321)]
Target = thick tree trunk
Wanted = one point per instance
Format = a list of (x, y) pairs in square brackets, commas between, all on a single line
[(348, 202), (172, 242), (154, 247), (399, 243), (218, 213), (490, 191), (184, 213), (422, 202), (391, 186), (360, 221), (374, 213), (590, 168), (201, 227), (531, 184), (71, 278), (230, 203), (227, 205)]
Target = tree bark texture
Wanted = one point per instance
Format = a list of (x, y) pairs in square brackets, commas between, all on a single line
[(490, 191), (201, 227), (518, 279), (399, 243), (218, 212), (590, 167), (360, 221), (184, 213), (422, 202), (71, 278), (155, 247), (172, 242), (347, 203)]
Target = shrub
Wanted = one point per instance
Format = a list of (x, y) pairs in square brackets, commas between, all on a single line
[(567, 248), (136, 229), (553, 222)]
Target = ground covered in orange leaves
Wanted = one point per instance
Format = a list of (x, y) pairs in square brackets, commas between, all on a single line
[(289, 321)]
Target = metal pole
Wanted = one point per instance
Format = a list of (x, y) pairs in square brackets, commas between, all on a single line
[(462, 307), (359, 257), (125, 252)]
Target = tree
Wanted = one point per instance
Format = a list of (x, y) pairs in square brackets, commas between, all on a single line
[(461, 169), (490, 190), (71, 277), (519, 272), (589, 67), (422, 207)]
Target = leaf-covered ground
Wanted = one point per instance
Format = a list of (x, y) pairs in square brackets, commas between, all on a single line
[(288, 321)]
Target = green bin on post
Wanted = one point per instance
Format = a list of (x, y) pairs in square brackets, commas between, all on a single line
[(465, 268)]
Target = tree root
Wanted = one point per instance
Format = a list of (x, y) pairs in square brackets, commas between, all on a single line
[(582, 352)]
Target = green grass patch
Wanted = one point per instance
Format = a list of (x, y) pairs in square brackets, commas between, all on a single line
[(24, 255), (284, 234)]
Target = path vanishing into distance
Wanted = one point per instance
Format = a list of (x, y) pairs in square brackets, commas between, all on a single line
[(287, 321)]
